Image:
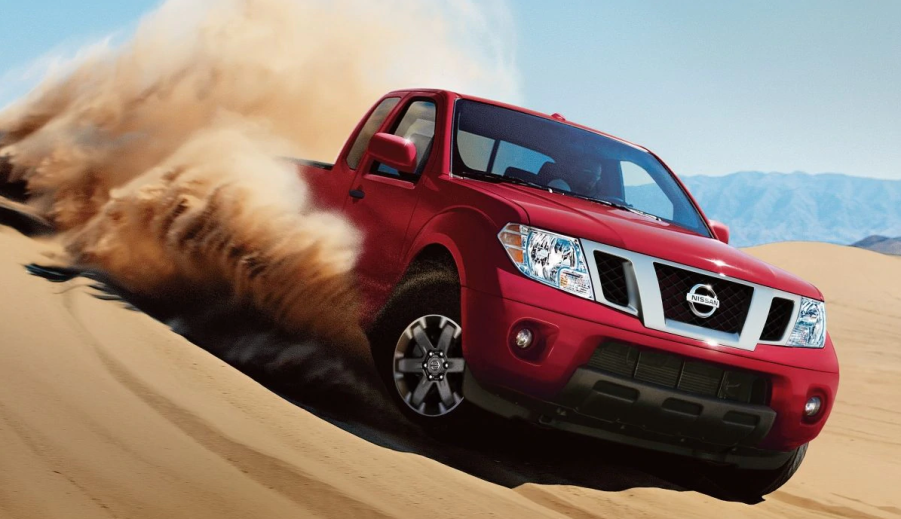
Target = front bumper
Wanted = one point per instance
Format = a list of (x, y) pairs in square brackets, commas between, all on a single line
[(550, 383), (610, 408)]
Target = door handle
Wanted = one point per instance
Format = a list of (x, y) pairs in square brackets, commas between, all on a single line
[(357, 193)]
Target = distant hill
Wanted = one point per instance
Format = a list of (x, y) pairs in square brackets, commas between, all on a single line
[(882, 244), (770, 207)]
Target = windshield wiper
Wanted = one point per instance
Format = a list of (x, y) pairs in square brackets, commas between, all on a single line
[(614, 205), (498, 179)]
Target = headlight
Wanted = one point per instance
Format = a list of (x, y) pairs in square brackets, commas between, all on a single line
[(810, 328), (551, 258)]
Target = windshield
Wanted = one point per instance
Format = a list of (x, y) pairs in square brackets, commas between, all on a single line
[(517, 147)]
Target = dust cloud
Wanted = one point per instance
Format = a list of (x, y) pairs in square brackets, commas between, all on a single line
[(157, 160)]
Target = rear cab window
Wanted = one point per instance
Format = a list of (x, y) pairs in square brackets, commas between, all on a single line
[(498, 157)]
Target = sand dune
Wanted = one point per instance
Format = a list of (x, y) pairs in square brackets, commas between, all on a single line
[(105, 412)]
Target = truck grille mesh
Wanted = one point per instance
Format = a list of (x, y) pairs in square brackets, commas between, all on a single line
[(777, 320), (611, 271), (735, 299), (682, 373)]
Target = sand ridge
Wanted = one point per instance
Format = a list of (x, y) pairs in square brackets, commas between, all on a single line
[(106, 412)]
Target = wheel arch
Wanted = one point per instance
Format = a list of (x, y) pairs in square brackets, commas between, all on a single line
[(434, 253), (468, 238)]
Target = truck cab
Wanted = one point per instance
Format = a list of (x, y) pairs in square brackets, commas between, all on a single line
[(519, 264)]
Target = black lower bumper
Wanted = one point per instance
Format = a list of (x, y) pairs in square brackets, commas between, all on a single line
[(643, 415)]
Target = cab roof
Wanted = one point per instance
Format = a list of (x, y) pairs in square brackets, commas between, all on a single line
[(457, 95)]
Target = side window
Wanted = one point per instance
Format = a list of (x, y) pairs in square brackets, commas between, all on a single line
[(642, 193), (510, 155), (371, 126), (416, 125)]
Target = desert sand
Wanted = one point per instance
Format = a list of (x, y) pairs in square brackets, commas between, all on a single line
[(105, 412)]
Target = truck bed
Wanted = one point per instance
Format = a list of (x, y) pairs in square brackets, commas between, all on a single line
[(311, 163)]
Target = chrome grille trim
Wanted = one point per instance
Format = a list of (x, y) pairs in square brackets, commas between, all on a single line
[(646, 303)]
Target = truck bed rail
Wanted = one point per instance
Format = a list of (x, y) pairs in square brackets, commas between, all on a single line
[(312, 163)]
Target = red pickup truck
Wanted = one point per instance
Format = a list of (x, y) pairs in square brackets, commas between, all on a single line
[(541, 270)]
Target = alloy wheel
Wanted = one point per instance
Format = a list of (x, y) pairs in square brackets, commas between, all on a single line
[(428, 366)]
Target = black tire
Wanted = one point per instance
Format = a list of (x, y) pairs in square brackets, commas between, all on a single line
[(428, 289), (749, 485)]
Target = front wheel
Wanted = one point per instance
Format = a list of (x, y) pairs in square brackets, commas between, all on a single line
[(427, 368), (417, 349)]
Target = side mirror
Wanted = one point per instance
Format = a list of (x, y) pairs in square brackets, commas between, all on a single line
[(393, 151), (720, 231)]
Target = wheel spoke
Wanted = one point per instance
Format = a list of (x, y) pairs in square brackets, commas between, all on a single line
[(422, 339), (455, 365), (409, 365), (421, 391), (447, 337), (447, 396)]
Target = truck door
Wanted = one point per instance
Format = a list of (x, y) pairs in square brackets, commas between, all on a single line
[(382, 201), (330, 185)]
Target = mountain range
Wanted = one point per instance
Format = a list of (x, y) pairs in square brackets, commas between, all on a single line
[(771, 207), (882, 244)]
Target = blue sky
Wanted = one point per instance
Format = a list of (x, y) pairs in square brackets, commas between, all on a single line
[(713, 87)]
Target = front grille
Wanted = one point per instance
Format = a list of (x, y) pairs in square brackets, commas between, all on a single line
[(658, 368), (734, 298), (700, 378), (777, 320), (681, 373), (612, 273), (615, 358)]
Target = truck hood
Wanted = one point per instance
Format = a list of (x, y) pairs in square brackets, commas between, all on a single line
[(597, 222)]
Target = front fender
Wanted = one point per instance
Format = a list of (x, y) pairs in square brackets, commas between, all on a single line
[(470, 236)]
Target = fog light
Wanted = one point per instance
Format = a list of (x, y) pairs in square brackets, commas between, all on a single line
[(524, 338), (812, 407)]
